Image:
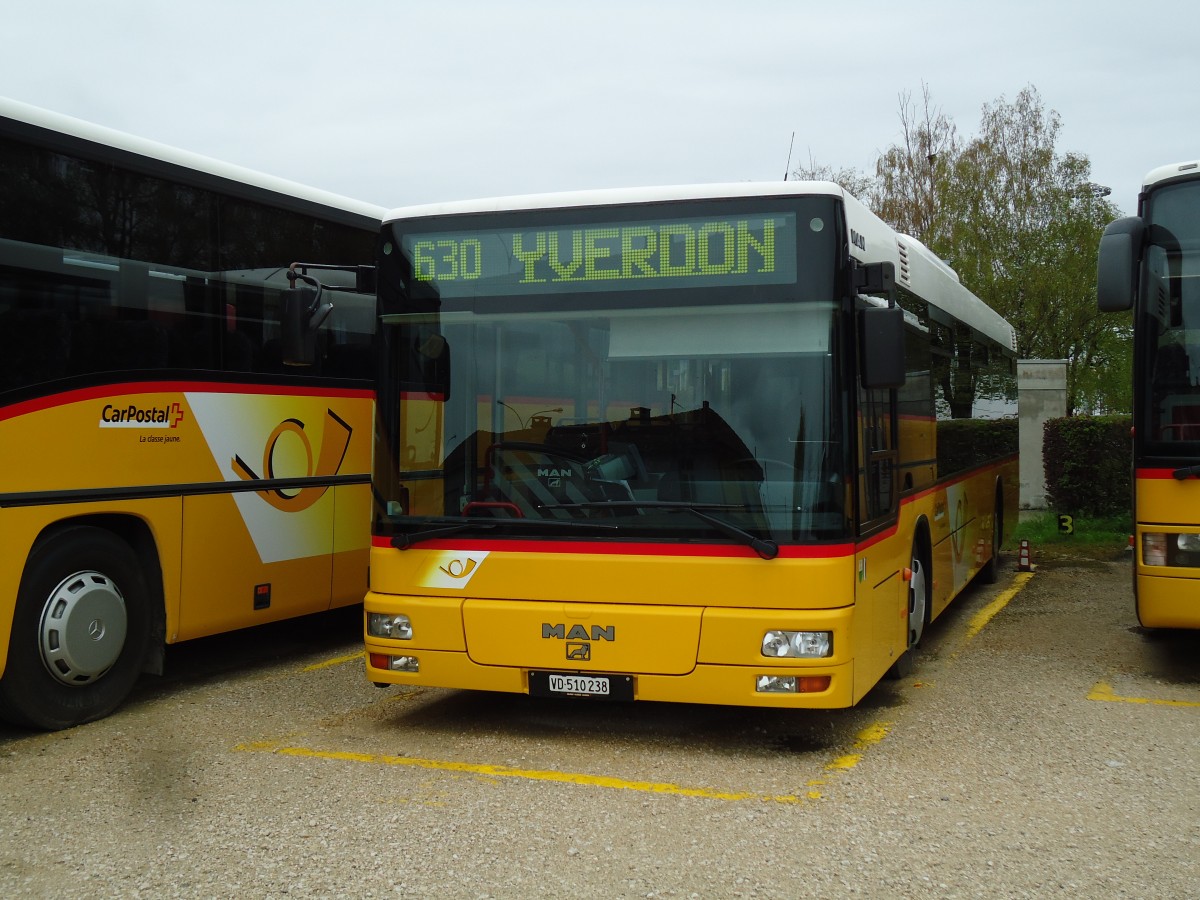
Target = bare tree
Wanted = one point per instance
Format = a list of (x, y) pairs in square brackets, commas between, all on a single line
[(909, 174), (856, 183), (1019, 220)]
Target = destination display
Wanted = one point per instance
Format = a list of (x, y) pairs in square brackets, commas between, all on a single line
[(739, 250)]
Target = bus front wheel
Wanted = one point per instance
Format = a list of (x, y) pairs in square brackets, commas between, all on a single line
[(918, 613), (80, 631)]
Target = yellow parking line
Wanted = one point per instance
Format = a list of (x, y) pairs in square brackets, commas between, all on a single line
[(336, 661), (986, 614), (1103, 692), (865, 739), (494, 771)]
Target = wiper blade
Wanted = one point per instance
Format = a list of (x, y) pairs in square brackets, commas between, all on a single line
[(1187, 472), (404, 541), (765, 548)]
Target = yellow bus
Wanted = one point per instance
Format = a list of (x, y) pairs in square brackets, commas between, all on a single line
[(164, 473), (729, 444), (1151, 263)]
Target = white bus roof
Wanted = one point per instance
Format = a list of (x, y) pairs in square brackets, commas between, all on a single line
[(917, 268), (118, 140), (1168, 172), (617, 197)]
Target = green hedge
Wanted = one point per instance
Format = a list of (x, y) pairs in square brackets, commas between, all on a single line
[(1087, 461)]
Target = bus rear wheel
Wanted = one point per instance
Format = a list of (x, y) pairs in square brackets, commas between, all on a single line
[(80, 631), (990, 573)]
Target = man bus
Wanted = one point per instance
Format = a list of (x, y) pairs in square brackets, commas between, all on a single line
[(730, 444), (1150, 263), (164, 474)]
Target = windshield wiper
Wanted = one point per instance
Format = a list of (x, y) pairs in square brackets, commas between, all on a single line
[(765, 548), (1187, 472), (404, 541)]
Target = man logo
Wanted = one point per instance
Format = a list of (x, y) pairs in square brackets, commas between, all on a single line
[(581, 652), (579, 632), (554, 477)]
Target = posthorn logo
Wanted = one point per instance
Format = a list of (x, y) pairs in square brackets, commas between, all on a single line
[(328, 461), (451, 569)]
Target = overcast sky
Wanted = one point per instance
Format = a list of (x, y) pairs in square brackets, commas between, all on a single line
[(400, 102)]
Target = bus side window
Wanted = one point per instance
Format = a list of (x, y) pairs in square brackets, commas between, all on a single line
[(36, 346)]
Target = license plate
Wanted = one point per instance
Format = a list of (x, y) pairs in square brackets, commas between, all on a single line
[(571, 684)]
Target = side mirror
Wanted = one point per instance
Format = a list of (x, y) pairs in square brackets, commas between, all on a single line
[(301, 319), (881, 330), (1117, 264)]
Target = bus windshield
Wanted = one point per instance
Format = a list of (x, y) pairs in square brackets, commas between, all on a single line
[(628, 377), (1171, 411)]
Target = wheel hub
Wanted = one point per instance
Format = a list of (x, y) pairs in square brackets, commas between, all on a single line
[(916, 603), (83, 628)]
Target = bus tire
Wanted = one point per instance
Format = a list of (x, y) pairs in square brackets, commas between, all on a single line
[(81, 629), (918, 612), (990, 573)]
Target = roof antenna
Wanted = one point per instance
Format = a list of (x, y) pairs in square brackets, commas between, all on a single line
[(789, 162)]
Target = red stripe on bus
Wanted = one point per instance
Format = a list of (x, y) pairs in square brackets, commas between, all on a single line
[(877, 538), (516, 545), (1152, 474), (803, 551), (127, 389), (969, 473)]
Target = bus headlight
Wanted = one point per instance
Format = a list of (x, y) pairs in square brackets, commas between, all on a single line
[(1188, 543), (797, 644), (1180, 549), (394, 627), (776, 643)]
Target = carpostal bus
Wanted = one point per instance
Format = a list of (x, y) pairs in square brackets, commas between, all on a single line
[(1151, 263), (725, 444), (164, 474)]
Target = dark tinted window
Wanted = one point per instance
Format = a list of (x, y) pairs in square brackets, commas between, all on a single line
[(1169, 325), (959, 403), (105, 269)]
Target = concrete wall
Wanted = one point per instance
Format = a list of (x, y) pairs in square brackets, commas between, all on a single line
[(1041, 395)]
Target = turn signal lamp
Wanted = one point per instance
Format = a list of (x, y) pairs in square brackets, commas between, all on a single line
[(1154, 549), (792, 684), (395, 663)]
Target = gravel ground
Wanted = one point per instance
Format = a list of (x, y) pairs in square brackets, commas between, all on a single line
[(1043, 747)]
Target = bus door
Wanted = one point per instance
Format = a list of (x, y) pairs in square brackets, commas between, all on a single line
[(259, 555), (880, 607)]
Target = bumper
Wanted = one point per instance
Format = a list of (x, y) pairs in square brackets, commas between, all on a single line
[(726, 646), (1168, 602)]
